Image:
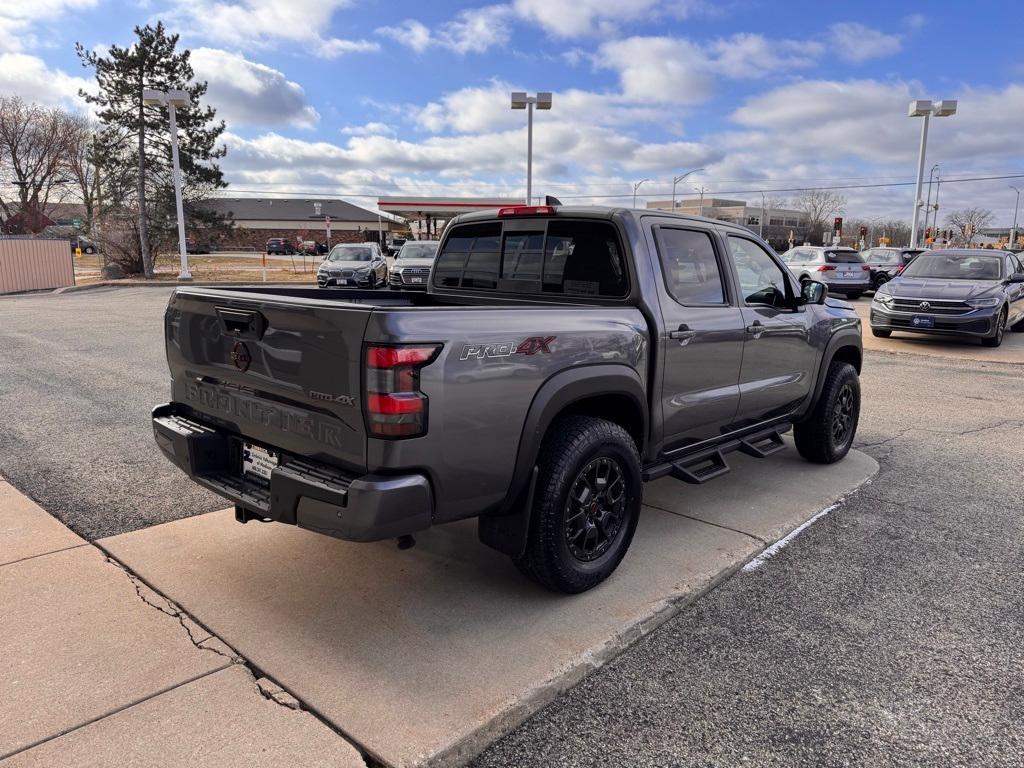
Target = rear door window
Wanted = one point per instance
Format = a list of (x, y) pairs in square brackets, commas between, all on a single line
[(583, 258), (470, 257), (690, 266)]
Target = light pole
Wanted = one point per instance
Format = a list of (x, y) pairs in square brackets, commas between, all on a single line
[(174, 99), (1013, 229), (521, 101), (925, 108), (928, 203), (760, 221), (676, 180), (636, 186)]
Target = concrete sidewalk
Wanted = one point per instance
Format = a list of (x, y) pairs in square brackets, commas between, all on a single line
[(426, 656), (98, 669)]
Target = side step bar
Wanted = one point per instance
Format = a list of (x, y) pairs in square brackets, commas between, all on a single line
[(701, 466)]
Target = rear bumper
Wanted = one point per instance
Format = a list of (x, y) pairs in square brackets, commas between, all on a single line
[(300, 492), (848, 286)]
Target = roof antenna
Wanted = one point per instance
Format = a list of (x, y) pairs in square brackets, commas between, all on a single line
[(551, 200)]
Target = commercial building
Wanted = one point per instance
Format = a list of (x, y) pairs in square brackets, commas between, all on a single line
[(256, 220), (778, 222), (428, 215)]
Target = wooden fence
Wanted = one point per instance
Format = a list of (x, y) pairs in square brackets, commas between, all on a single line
[(35, 264)]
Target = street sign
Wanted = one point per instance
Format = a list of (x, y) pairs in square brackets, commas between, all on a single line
[(76, 223)]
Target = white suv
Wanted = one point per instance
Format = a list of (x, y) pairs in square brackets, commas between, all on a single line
[(841, 269)]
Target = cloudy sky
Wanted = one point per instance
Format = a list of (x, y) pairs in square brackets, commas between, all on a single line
[(366, 97)]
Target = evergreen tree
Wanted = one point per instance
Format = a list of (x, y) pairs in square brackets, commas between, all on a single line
[(135, 141)]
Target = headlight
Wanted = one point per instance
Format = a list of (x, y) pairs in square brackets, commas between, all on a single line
[(883, 298), (979, 303)]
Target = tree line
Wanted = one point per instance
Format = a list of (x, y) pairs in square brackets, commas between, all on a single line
[(116, 163)]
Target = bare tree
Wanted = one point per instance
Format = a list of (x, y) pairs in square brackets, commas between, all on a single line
[(83, 168), (33, 151), (966, 222), (818, 206)]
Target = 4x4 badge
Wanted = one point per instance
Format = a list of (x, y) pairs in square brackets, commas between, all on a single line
[(240, 356)]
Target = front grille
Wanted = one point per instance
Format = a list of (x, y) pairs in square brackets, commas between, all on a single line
[(418, 272), (936, 306), (975, 326)]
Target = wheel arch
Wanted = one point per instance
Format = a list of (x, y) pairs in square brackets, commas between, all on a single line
[(845, 346), (612, 392)]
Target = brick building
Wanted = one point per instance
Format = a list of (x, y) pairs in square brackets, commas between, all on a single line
[(256, 220)]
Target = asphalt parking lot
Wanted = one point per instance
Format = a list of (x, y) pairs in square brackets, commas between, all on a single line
[(889, 632)]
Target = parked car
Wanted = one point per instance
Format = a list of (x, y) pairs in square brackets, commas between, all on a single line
[(561, 357), (841, 269), (196, 246), (411, 270), (976, 293), (356, 264), (312, 248), (885, 262), (279, 245), (395, 246), (87, 245)]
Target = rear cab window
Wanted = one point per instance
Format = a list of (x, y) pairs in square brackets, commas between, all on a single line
[(843, 257), (565, 257)]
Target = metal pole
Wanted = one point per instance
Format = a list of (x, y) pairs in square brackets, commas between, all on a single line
[(529, 151), (928, 203), (920, 182), (701, 199), (935, 210), (635, 188), (1013, 229), (182, 249), (675, 180), (760, 226)]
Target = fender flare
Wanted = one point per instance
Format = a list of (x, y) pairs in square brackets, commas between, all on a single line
[(848, 337), (506, 528)]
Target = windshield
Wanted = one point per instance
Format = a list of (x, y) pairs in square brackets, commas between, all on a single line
[(418, 251), (955, 266), (350, 253)]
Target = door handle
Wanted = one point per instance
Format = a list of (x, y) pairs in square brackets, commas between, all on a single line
[(755, 329), (683, 334)]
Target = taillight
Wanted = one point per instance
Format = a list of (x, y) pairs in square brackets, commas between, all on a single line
[(865, 267), (526, 210), (827, 268), (395, 406)]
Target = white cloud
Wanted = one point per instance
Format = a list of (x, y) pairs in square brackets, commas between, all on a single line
[(574, 17), (266, 23), (857, 43), (17, 18), (369, 129), (748, 55), (30, 78), (659, 69), (472, 31), (248, 93)]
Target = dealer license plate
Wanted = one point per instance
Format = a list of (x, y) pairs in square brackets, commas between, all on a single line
[(416, 280), (922, 321), (258, 461)]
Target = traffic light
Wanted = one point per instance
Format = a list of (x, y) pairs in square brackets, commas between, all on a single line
[(863, 231), (837, 225)]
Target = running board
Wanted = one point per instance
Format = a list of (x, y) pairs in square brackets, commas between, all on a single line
[(701, 466)]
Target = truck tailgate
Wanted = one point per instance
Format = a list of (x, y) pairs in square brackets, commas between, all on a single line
[(281, 371)]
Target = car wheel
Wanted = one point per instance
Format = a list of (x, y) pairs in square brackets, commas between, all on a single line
[(373, 281), (997, 338), (90, 249), (586, 504), (880, 281), (882, 333), (855, 295), (827, 434)]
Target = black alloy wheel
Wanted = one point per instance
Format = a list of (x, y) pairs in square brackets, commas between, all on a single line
[(997, 338), (594, 509), (843, 415)]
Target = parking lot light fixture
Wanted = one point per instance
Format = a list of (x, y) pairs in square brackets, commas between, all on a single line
[(926, 109), (520, 100), (636, 186), (676, 180), (174, 99)]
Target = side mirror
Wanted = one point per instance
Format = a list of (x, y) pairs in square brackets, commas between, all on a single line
[(1016, 277), (813, 292)]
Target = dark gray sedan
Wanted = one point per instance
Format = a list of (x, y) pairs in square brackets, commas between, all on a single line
[(977, 293)]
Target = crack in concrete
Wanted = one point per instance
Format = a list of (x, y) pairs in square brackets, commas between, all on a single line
[(753, 536), (947, 432)]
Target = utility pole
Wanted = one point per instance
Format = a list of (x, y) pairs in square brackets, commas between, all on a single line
[(702, 191), (1013, 229), (760, 221)]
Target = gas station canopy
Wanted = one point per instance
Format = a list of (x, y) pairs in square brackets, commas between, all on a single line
[(439, 208)]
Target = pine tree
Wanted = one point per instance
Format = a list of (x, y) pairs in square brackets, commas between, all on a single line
[(135, 141)]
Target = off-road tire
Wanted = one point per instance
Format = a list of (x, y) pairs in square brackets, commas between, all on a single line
[(882, 333), (572, 444), (997, 338), (816, 438)]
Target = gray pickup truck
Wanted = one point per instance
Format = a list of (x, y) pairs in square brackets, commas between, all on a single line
[(561, 357)]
